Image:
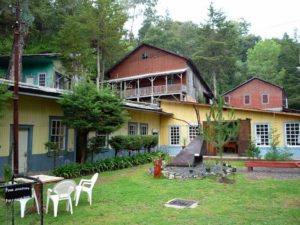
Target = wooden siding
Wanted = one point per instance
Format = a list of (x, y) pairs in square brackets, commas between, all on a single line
[(157, 61)]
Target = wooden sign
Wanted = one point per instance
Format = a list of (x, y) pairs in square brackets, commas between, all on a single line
[(17, 191)]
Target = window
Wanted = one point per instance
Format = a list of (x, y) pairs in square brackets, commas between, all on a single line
[(145, 55), (265, 99), (29, 80), (262, 134), (247, 100), (58, 133), (174, 135), (42, 79), (227, 100), (292, 134), (144, 129), (193, 132), (104, 138), (132, 128)]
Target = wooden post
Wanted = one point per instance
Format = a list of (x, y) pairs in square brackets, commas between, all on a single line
[(138, 88), (121, 89), (166, 83), (152, 88), (180, 76), (125, 89)]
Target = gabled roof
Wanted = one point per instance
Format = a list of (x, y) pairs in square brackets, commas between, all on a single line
[(251, 79), (188, 60)]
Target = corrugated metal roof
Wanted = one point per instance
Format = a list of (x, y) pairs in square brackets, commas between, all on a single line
[(148, 75)]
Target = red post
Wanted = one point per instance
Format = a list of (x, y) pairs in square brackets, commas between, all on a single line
[(157, 168), (16, 90)]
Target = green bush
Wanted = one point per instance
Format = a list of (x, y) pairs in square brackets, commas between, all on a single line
[(118, 143), (252, 152), (274, 153), (75, 170)]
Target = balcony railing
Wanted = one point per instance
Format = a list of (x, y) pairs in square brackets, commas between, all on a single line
[(157, 90)]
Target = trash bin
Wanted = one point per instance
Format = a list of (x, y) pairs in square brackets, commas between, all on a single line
[(157, 168)]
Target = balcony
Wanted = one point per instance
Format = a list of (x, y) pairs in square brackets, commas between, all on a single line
[(157, 90)]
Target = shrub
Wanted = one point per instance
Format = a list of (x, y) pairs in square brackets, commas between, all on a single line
[(118, 143), (252, 152), (274, 153)]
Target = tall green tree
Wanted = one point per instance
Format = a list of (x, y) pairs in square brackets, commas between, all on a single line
[(262, 61), (219, 131), (216, 51), (88, 109), (289, 62)]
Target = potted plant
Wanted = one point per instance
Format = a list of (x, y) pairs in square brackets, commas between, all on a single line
[(184, 143), (208, 167), (190, 167)]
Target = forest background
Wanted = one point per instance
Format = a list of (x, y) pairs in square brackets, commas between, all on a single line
[(91, 36)]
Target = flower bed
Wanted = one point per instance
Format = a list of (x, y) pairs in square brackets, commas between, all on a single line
[(76, 170)]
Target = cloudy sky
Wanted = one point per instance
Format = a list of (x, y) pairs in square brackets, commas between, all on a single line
[(268, 18)]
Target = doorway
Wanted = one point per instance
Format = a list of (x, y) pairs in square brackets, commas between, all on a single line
[(25, 147)]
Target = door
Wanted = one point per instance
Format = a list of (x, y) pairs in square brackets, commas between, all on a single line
[(244, 136), (23, 149)]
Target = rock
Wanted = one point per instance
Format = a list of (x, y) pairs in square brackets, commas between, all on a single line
[(171, 176)]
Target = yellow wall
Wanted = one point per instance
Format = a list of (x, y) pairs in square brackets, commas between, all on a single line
[(32, 111), (186, 112), (36, 111)]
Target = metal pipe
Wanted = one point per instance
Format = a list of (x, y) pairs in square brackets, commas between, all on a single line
[(16, 90)]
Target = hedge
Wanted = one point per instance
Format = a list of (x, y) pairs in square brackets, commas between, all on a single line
[(73, 170)]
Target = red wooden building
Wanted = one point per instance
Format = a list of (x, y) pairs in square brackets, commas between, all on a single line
[(257, 93), (149, 73)]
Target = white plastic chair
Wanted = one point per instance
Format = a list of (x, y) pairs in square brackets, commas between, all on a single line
[(63, 191), (23, 202), (86, 186)]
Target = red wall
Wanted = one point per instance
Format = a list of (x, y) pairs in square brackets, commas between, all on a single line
[(255, 89), (157, 61)]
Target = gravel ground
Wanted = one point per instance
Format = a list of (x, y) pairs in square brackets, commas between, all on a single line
[(277, 173)]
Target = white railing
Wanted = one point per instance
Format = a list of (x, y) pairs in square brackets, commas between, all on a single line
[(163, 89)]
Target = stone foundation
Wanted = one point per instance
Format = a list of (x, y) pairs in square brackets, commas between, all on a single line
[(196, 172)]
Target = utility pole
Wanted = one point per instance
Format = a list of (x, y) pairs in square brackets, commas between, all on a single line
[(16, 90)]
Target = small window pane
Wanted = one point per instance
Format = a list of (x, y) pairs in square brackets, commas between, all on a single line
[(262, 135), (42, 79), (175, 136), (292, 133)]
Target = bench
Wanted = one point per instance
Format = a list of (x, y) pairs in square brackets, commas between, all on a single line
[(271, 164)]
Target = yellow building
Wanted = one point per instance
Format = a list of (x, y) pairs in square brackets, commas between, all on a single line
[(40, 119), (180, 128)]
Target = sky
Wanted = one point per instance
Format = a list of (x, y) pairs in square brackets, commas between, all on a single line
[(268, 18)]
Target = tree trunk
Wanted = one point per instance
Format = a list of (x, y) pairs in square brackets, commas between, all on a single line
[(214, 82), (98, 67), (10, 71), (82, 144), (103, 70)]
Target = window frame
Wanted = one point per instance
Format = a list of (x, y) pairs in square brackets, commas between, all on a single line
[(44, 73), (65, 141), (134, 124), (144, 125), (188, 130), (249, 99), (285, 133), (262, 99), (269, 135), (106, 138), (227, 96), (179, 133)]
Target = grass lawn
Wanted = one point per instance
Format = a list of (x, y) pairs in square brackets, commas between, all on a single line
[(131, 196)]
